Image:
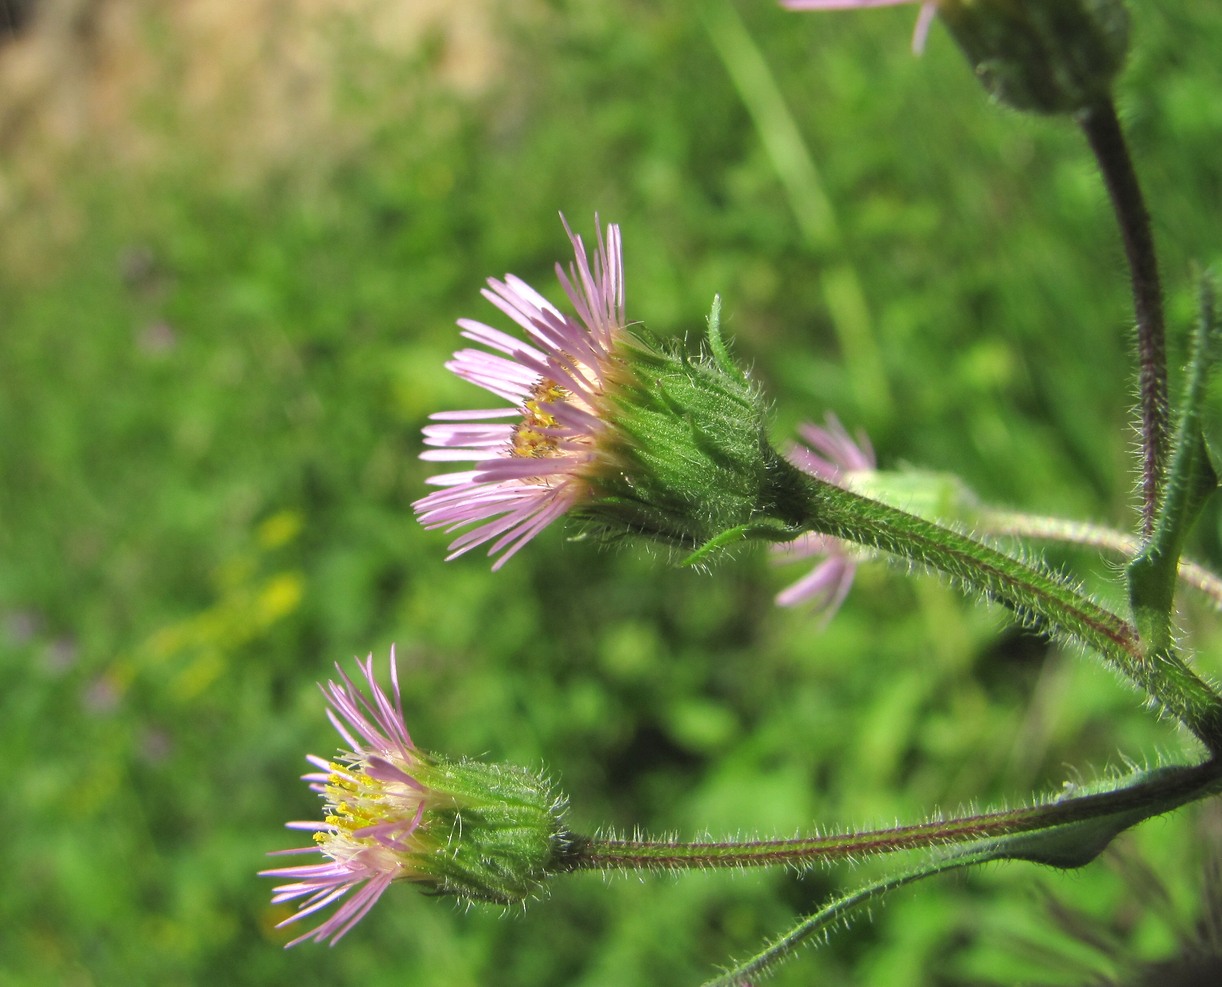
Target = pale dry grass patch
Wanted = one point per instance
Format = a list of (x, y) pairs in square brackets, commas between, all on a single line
[(250, 87)]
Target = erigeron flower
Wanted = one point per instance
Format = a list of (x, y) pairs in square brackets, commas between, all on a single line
[(483, 832), (630, 434), (830, 454), (530, 458)]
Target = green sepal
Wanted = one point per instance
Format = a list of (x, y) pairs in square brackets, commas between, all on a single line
[(765, 530), (717, 343)]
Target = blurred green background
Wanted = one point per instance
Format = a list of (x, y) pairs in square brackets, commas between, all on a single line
[(236, 238)]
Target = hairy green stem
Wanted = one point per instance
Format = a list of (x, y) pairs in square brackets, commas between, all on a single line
[(1157, 791), (747, 974), (1190, 482), (1066, 844), (1035, 594), (1106, 138)]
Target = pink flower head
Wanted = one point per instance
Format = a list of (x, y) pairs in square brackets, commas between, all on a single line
[(529, 457), (374, 806), (830, 454), (928, 9)]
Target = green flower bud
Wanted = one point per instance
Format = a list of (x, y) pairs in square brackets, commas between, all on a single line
[(1045, 56)]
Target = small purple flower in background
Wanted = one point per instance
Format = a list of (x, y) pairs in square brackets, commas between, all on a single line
[(830, 454), (928, 9), (374, 806), (828, 583), (528, 470)]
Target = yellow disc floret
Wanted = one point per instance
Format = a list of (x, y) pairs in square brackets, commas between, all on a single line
[(532, 436)]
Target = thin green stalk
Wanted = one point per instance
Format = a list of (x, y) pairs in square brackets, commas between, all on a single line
[(813, 211), (1035, 527), (747, 973)]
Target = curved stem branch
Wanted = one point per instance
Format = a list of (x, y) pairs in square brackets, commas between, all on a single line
[(1106, 138), (1035, 594)]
